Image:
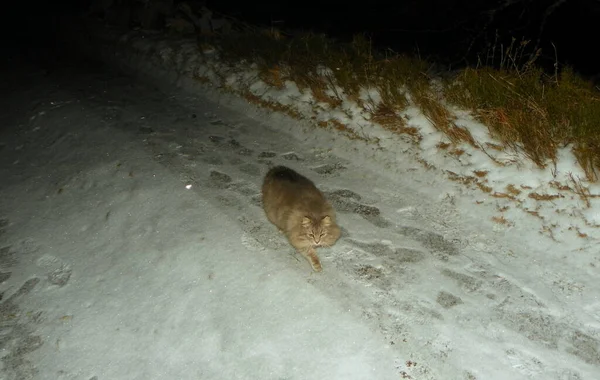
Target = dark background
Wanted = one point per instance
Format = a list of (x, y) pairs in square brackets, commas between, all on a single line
[(450, 32)]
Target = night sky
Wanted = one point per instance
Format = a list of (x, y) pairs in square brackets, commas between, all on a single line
[(451, 32)]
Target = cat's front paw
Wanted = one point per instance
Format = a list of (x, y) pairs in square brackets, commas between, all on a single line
[(311, 255), (315, 263), (316, 266)]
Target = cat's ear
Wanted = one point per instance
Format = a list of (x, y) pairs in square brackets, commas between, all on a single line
[(306, 222), (326, 220)]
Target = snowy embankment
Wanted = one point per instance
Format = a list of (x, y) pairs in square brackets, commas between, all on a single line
[(134, 245), (556, 201)]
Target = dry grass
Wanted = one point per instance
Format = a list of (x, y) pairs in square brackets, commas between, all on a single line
[(322, 65), (533, 112), (457, 152), (277, 107), (496, 194), (578, 232), (389, 119), (341, 127), (483, 187), (513, 190), (469, 180), (582, 191), (319, 89), (501, 220), (273, 77), (534, 213), (559, 186), (439, 116), (528, 110), (426, 164), (544, 197)]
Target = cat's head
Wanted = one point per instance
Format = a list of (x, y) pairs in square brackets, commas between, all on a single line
[(320, 233)]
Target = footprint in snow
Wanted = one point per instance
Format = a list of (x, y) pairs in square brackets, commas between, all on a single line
[(348, 201), (57, 272), (329, 170)]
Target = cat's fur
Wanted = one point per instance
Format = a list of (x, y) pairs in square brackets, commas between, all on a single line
[(293, 203)]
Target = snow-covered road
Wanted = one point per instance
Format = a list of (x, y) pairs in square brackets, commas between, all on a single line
[(133, 246)]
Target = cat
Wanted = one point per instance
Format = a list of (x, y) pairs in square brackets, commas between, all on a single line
[(293, 203)]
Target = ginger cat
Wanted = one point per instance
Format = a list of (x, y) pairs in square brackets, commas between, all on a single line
[(293, 203)]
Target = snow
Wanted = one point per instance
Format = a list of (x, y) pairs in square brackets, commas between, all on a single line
[(133, 244)]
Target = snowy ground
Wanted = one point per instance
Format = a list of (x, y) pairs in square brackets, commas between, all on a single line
[(133, 246)]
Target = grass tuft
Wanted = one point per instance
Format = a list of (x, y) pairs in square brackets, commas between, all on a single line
[(534, 112)]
